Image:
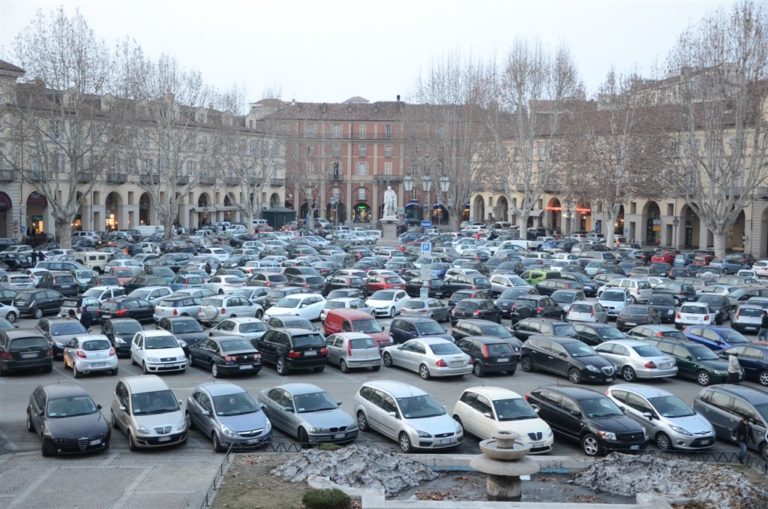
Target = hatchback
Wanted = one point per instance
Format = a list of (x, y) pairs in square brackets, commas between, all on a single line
[(692, 313), (694, 361), (489, 355), (120, 332), (248, 328), (23, 350), (613, 301), (405, 328), (92, 353), (483, 309), (747, 319), (350, 350), (533, 326), (430, 308), (215, 309), (566, 357), (636, 359), (753, 359), (38, 302), (305, 305), (636, 314), (716, 338), (290, 349), (586, 311), (127, 307), (596, 333)]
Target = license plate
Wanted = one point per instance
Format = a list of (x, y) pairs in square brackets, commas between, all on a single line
[(246, 366), (95, 442), (251, 442), (339, 436), (28, 355), (444, 441), (310, 353), (629, 323), (634, 447), (98, 364), (164, 439), (502, 359), (609, 379)]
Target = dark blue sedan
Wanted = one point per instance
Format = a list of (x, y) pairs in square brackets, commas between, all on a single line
[(715, 338)]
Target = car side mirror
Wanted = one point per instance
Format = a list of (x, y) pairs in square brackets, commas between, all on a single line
[(392, 414), (98, 406), (338, 403), (288, 409), (689, 357), (488, 415), (121, 408), (649, 415), (575, 413)]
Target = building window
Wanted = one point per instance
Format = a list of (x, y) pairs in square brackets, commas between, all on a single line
[(388, 151), (191, 168), (362, 150), (362, 169), (388, 131), (414, 195), (362, 131), (336, 150), (336, 131), (147, 165), (388, 168), (361, 194), (310, 130), (336, 171)]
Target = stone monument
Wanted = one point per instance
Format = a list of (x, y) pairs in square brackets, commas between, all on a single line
[(389, 218)]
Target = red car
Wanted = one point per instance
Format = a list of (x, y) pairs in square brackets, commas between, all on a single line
[(376, 283), (664, 256)]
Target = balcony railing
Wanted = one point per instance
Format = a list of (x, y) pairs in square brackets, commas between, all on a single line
[(117, 178), (278, 182), (182, 180), (149, 180), (232, 181), (337, 177), (206, 180), (84, 177), (7, 175)]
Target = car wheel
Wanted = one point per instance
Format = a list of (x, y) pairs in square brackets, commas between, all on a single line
[(424, 372), (763, 378), (388, 360), (702, 377), (663, 442), (132, 442), (259, 314), (280, 367), (214, 370), (391, 312), (764, 451), (343, 366), (133, 361), (11, 317), (375, 368), (590, 445), (362, 421), (38, 313), (526, 363), (190, 424), (144, 368), (628, 374), (221, 292), (303, 438), (405, 443), (113, 419), (47, 369), (217, 445), (632, 300), (75, 372), (189, 359), (30, 428), (574, 375), (477, 369)]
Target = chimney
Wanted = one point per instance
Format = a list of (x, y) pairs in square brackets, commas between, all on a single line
[(398, 97)]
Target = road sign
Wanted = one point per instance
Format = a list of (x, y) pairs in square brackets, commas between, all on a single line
[(426, 224), (426, 249)]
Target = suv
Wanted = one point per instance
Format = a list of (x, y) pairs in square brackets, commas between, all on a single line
[(530, 305), (22, 350), (290, 349), (724, 405), (148, 412), (63, 282), (588, 417), (567, 357), (532, 326), (489, 355)]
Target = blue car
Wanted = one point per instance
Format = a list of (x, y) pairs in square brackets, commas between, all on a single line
[(753, 360), (715, 338)]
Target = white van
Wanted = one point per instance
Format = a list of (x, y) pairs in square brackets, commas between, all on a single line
[(94, 260), (639, 290)]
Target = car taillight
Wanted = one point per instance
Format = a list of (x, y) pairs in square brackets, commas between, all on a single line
[(539, 309), (441, 363), (650, 365), (175, 312), (293, 355), (485, 352), (7, 356), (112, 351), (257, 356), (476, 313), (223, 311), (80, 354), (230, 358), (349, 348), (323, 351), (121, 312), (678, 316), (592, 312), (50, 352), (706, 317), (661, 335)]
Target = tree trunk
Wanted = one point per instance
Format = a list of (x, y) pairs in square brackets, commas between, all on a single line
[(609, 214), (247, 214), (719, 240), (63, 230), (522, 222)]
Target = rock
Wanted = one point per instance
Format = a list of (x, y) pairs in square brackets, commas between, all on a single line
[(358, 467), (719, 486)]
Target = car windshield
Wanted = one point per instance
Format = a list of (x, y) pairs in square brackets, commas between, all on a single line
[(600, 407), (19, 344), (127, 327), (334, 304), (563, 297), (635, 310), (647, 351), (235, 404), (671, 406), (383, 295), (732, 336), (674, 334), (513, 409), (428, 328), (695, 310), (610, 333), (212, 302), (366, 326), (702, 353), (154, 402), (253, 327), (313, 402), (186, 326), (361, 343), (93, 292), (495, 330), (613, 296), (565, 329), (236, 345), (70, 407), (579, 350), (158, 342), (96, 345), (141, 294), (288, 303), (762, 409), (444, 349), (419, 407), (67, 328), (661, 300)]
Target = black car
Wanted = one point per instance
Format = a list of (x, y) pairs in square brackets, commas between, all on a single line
[(225, 355), (309, 283), (567, 357), (468, 294), (588, 286), (588, 417), (529, 306), (507, 298), (408, 327), (436, 287), (7, 295), (185, 328), (694, 361), (475, 327), (483, 309), (16, 261), (466, 282), (38, 302), (23, 350), (290, 349), (718, 304), (127, 307), (664, 304), (120, 332), (636, 314), (67, 420), (489, 355), (143, 280), (533, 326), (595, 333)]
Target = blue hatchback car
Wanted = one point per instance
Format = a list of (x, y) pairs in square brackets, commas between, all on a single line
[(753, 359), (715, 338)]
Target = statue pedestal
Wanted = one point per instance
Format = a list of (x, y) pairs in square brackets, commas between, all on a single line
[(389, 232)]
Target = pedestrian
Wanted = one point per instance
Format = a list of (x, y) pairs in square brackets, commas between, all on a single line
[(71, 314), (34, 258), (208, 268), (86, 319), (742, 434), (762, 334), (734, 369), (41, 256)]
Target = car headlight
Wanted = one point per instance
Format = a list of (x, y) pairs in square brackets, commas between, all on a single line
[(227, 431), (424, 434), (119, 341), (181, 425), (682, 431), (267, 427), (143, 430), (607, 435), (592, 368), (320, 430), (459, 428), (182, 343), (153, 359), (670, 311), (517, 349), (548, 433), (47, 433), (181, 358)]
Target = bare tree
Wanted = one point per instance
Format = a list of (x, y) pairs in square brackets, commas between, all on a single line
[(65, 125), (717, 73), (531, 95)]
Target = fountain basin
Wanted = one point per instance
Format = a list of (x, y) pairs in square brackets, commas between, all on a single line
[(494, 450)]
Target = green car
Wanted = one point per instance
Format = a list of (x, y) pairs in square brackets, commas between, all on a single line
[(536, 276), (694, 361)]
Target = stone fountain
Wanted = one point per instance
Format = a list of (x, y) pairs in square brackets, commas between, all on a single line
[(504, 459)]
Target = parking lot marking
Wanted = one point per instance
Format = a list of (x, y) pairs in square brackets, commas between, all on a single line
[(41, 478), (132, 488)]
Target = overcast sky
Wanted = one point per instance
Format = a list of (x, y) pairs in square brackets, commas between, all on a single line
[(328, 51)]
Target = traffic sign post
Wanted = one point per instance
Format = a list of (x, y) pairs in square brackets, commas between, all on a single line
[(426, 269), (426, 224)]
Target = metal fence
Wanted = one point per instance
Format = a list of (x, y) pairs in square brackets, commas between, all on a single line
[(218, 479)]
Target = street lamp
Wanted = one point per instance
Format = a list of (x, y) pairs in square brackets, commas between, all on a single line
[(426, 186), (408, 186), (308, 192), (568, 216), (445, 184), (675, 223)]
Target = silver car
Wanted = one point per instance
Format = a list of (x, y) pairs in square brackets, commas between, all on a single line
[(349, 350), (428, 357), (406, 414), (637, 359), (430, 308), (308, 413), (666, 418), (228, 415), (248, 328), (90, 354)]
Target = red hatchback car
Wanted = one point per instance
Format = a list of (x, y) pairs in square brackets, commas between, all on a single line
[(664, 256), (376, 283)]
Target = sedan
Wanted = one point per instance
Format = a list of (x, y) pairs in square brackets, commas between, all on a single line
[(387, 302), (483, 309), (224, 284), (636, 359), (225, 355), (429, 357), (248, 328), (128, 307), (228, 415), (308, 413), (636, 314), (91, 353), (431, 308), (305, 305)]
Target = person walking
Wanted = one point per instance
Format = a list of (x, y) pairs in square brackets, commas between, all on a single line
[(34, 258), (762, 334), (742, 433), (734, 369), (207, 268), (86, 319)]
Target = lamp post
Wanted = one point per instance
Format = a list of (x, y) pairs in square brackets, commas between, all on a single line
[(408, 186), (568, 216), (675, 223), (426, 186), (445, 184), (426, 275), (308, 192)]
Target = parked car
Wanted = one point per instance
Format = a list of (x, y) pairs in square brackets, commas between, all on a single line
[(483, 309), (715, 338), (719, 305), (308, 413), (305, 305), (637, 359), (664, 305), (747, 319), (249, 328), (353, 320), (588, 417), (184, 328), (225, 355), (90, 353), (217, 308), (148, 412), (636, 314), (657, 332), (24, 350), (430, 308), (406, 414), (404, 328), (528, 306), (753, 359), (387, 302), (693, 313), (613, 301), (429, 357), (475, 327), (37, 303), (489, 355), (157, 351), (489, 410), (62, 282), (120, 332), (694, 361), (595, 333), (533, 326), (586, 311), (228, 415), (67, 420), (565, 298), (127, 307), (351, 350), (566, 357), (59, 332), (291, 349)]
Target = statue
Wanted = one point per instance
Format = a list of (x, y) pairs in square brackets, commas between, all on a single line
[(390, 203)]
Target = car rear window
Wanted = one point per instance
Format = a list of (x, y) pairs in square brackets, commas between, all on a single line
[(499, 349), (647, 351), (361, 343), (581, 308), (18, 344), (444, 348), (751, 312), (73, 327), (96, 344)]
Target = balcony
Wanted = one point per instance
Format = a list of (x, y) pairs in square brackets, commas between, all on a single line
[(206, 180), (182, 180), (149, 180), (277, 182), (84, 177), (117, 178), (337, 177), (7, 175), (232, 181), (388, 179)]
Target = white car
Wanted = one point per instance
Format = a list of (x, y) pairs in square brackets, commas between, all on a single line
[(305, 305), (90, 354), (104, 293), (224, 284), (613, 301), (248, 328), (761, 268), (586, 311), (486, 411), (153, 294), (19, 281), (639, 290), (220, 253), (157, 351), (387, 302), (344, 303), (10, 313), (217, 308), (693, 313)]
